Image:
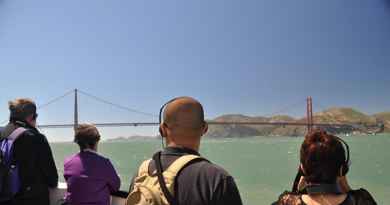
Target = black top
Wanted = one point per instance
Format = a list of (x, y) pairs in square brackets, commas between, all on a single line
[(354, 197), (199, 182), (37, 169)]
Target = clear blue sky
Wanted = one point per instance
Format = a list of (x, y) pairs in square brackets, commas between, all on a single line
[(251, 57)]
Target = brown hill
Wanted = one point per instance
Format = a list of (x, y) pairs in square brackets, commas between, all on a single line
[(340, 115), (363, 123), (384, 117)]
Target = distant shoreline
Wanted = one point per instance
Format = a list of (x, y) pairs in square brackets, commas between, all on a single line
[(114, 140)]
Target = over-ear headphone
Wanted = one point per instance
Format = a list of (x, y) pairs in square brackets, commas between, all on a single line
[(346, 164), (160, 120)]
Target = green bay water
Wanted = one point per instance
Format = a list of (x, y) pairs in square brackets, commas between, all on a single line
[(263, 167)]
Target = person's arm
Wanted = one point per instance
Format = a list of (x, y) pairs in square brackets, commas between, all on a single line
[(227, 193), (46, 162), (114, 182)]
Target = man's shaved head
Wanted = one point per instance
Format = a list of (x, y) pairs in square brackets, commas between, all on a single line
[(183, 123), (184, 113)]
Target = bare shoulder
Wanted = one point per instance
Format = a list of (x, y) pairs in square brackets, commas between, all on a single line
[(289, 198)]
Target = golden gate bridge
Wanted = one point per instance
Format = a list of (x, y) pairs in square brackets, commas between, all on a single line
[(308, 122)]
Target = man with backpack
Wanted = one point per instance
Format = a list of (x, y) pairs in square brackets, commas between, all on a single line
[(27, 168), (178, 175)]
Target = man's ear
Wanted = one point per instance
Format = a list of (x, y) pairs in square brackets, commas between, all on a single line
[(30, 118), (163, 129)]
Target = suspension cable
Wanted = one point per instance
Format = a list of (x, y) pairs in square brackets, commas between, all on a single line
[(284, 109), (48, 103), (117, 105)]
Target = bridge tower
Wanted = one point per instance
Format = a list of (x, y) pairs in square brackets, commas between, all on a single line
[(76, 111), (309, 113)]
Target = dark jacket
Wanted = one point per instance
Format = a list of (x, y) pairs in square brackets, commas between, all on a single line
[(37, 169), (354, 197), (200, 182)]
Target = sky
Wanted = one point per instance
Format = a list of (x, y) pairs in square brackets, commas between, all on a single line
[(254, 57)]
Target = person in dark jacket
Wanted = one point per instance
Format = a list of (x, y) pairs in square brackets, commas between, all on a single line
[(90, 177), (324, 165), (31, 150)]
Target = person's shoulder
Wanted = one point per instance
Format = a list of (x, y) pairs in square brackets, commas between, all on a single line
[(104, 162), (28, 136), (29, 132), (209, 169), (99, 158), (362, 196), (34, 135), (288, 198), (105, 159), (68, 160), (215, 167)]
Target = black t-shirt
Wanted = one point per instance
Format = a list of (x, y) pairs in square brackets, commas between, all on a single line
[(199, 182), (354, 197)]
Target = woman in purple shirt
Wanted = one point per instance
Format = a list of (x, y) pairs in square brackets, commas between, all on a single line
[(90, 177)]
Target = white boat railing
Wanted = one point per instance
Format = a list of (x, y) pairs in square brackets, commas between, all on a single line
[(57, 195)]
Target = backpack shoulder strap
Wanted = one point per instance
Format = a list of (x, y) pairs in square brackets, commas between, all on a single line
[(172, 171), (16, 133), (179, 163), (171, 200), (144, 168)]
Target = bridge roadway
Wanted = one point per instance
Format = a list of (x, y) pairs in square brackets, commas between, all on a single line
[(135, 124)]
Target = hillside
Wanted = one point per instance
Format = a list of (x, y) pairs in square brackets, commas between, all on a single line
[(134, 137), (339, 115), (332, 115), (385, 118)]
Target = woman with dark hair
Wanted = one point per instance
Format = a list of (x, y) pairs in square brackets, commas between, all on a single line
[(322, 175), (90, 177)]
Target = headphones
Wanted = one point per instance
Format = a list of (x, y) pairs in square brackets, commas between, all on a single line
[(344, 166), (347, 163), (160, 120)]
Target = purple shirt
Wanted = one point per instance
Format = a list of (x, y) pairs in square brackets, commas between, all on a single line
[(91, 179)]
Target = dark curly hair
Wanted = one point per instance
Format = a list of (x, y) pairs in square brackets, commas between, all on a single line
[(322, 156)]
